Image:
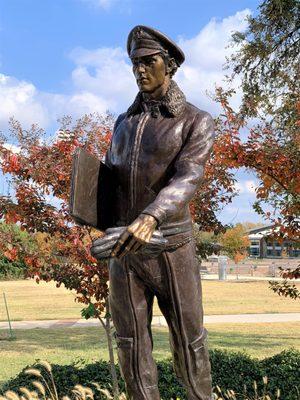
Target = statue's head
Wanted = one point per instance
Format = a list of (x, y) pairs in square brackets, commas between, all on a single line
[(155, 57)]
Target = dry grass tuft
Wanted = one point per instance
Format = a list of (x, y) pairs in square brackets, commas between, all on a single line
[(34, 372), (231, 395)]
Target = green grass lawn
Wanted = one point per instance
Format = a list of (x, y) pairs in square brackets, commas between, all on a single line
[(30, 301), (64, 346)]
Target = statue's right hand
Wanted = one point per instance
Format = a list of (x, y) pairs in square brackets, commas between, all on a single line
[(101, 247)]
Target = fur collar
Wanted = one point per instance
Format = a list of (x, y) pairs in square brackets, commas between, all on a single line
[(174, 101)]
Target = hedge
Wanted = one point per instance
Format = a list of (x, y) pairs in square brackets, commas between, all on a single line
[(230, 370)]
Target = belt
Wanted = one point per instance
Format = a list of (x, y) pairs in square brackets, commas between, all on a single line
[(175, 228)]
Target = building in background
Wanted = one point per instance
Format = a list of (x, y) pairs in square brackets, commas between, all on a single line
[(263, 245)]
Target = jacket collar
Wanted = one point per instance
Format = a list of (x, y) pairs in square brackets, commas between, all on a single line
[(174, 101)]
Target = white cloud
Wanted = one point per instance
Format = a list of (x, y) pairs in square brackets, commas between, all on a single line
[(23, 101), (205, 56), (77, 104), (20, 99), (102, 79), (105, 72), (247, 186)]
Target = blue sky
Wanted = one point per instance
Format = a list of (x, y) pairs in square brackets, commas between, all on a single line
[(69, 57)]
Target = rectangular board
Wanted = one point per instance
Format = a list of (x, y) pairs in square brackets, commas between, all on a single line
[(92, 191)]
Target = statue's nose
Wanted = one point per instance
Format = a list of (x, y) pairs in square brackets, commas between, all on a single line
[(141, 67)]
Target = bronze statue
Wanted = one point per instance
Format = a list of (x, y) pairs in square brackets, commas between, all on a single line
[(157, 154)]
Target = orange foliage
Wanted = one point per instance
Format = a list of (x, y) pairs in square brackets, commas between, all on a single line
[(41, 178)]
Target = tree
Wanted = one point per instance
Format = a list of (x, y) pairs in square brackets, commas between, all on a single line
[(206, 242), (275, 163), (235, 243), (215, 191), (267, 62), (267, 65)]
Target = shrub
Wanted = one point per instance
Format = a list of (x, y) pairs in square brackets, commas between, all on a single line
[(11, 269), (231, 371), (283, 371), (235, 370)]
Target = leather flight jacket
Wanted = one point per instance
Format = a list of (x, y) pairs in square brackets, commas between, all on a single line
[(157, 155)]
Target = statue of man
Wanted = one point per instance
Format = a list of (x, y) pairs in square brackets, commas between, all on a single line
[(158, 151)]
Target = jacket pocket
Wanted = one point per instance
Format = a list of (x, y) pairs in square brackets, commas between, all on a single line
[(199, 353), (125, 355)]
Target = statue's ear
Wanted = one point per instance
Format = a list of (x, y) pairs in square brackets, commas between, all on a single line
[(171, 67)]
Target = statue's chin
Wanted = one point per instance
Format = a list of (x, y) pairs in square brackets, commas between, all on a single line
[(144, 89)]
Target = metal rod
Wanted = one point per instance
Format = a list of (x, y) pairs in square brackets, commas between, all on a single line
[(8, 318)]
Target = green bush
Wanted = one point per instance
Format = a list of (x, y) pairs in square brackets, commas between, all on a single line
[(234, 370), (230, 371), (11, 269), (283, 369)]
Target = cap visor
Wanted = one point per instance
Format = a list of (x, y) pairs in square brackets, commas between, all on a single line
[(143, 52)]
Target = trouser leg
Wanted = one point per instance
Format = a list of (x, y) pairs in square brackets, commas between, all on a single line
[(131, 307), (184, 314)]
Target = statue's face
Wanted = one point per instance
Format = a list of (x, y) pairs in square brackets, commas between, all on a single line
[(149, 71)]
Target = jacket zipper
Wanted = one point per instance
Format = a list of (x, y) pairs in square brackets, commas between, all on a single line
[(135, 157)]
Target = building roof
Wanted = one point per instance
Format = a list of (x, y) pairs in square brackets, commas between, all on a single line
[(261, 229), (259, 233)]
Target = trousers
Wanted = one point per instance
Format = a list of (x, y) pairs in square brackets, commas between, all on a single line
[(174, 279)]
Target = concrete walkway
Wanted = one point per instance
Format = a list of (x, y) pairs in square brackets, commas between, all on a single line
[(157, 321)]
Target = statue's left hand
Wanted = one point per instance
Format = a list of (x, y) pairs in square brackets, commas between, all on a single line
[(137, 234)]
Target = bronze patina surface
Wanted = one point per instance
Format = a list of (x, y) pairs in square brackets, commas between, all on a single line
[(158, 152)]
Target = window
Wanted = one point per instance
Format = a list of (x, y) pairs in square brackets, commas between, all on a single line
[(254, 251)]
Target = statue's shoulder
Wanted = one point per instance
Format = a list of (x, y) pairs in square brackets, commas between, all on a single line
[(196, 112), (198, 115), (120, 118), (200, 119)]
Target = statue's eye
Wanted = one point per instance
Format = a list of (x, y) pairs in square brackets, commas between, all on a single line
[(145, 62), (149, 61)]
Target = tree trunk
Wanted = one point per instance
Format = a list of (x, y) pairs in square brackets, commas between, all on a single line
[(108, 330)]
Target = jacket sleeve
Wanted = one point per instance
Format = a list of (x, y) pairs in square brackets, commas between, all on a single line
[(189, 168)]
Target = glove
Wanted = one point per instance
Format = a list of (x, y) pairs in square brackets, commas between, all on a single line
[(102, 247)]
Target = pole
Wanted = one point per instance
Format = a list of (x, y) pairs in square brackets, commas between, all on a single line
[(8, 318), (222, 266)]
